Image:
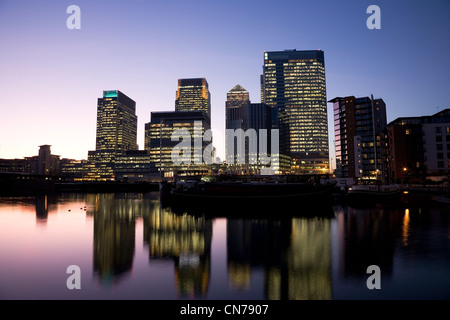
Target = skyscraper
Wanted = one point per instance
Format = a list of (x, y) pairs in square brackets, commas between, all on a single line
[(116, 123), (294, 87), (359, 125), (236, 108), (193, 95), (161, 140), (116, 131), (249, 117), (192, 118)]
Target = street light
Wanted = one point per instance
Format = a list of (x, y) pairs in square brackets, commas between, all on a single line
[(405, 169)]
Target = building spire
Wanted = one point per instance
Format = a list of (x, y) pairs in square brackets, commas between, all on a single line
[(238, 87)]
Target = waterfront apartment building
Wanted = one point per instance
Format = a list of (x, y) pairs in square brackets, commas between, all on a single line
[(358, 129), (294, 87), (45, 163), (419, 148), (116, 132), (161, 139), (14, 165), (193, 95)]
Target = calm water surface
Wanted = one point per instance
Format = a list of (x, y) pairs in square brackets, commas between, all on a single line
[(130, 247)]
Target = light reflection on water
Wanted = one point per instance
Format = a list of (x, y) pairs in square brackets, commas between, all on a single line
[(130, 247)]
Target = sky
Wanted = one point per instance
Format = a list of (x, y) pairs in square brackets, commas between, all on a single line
[(51, 76)]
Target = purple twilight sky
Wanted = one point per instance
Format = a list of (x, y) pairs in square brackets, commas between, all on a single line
[(51, 77)]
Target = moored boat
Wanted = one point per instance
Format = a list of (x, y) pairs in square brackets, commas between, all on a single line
[(373, 194), (247, 196)]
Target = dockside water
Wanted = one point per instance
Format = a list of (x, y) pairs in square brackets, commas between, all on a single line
[(130, 246)]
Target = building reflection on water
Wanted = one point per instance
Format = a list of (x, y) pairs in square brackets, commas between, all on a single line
[(295, 258), (185, 239), (114, 236), (295, 255), (41, 202), (182, 238), (366, 236)]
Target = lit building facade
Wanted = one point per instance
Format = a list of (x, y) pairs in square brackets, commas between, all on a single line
[(161, 139), (14, 165), (193, 95), (116, 132), (294, 86), (133, 166), (72, 169), (359, 125)]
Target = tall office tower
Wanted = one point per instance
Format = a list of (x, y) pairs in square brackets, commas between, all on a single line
[(261, 84), (193, 95), (259, 119), (358, 127), (294, 87), (236, 108), (250, 117), (116, 131), (236, 118), (259, 116), (161, 140)]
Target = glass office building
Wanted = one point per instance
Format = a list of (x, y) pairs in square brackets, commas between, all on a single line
[(116, 132), (161, 140), (236, 108), (193, 95), (240, 113), (294, 87), (133, 166)]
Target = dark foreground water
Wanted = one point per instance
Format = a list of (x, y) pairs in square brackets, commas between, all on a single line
[(127, 246)]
